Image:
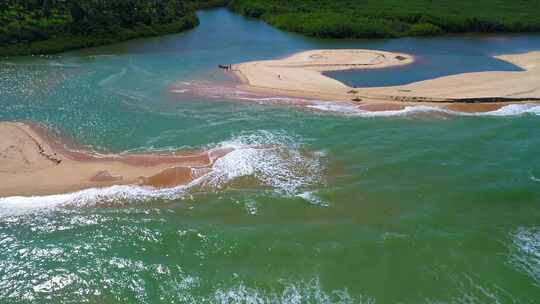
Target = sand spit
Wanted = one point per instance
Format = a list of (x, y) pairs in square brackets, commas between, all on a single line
[(300, 75), (34, 163)]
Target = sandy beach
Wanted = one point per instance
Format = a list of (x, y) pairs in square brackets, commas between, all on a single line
[(32, 162), (300, 75)]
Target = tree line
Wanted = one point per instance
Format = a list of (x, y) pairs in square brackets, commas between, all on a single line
[(393, 18), (35, 26)]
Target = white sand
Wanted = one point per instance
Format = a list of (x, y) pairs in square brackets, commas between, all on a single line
[(300, 75), (31, 163)]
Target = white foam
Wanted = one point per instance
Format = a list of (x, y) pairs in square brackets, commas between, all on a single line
[(251, 207), (20, 204), (345, 108), (273, 99), (525, 252), (179, 90), (472, 289), (533, 177), (354, 110), (55, 283), (514, 109), (290, 293), (273, 159), (312, 198)]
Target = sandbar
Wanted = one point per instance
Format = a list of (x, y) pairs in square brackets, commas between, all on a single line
[(33, 162), (301, 75)]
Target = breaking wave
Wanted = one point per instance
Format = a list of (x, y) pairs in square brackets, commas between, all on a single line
[(273, 160), (533, 177), (292, 292), (229, 92), (470, 290), (353, 110), (525, 252)]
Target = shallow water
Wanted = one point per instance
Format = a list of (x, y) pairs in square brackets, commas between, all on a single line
[(338, 206), (441, 56)]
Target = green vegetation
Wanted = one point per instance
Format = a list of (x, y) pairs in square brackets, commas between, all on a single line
[(49, 26), (393, 18), (204, 4)]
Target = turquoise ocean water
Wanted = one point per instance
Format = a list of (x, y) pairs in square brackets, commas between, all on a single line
[(342, 206)]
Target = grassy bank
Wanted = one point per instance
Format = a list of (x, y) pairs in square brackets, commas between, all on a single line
[(393, 18)]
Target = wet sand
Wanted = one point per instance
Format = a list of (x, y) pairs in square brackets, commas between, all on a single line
[(32, 162), (301, 76)]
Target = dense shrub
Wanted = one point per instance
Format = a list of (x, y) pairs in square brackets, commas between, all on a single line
[(46, 26), (424, 29), (392, 18)]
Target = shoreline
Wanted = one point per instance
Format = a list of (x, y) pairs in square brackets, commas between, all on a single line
[(301, 76), (33, 162), (62, 43)]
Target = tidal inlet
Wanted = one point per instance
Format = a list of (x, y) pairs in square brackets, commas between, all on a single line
[(269, 151)]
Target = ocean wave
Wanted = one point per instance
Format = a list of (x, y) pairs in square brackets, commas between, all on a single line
[(90, 197), (312, 198), (345, 108), (533, 177), (291, 292), (469, 290), (525, 252), (176, 286), (273, 160), (514, 109), (353, 110), (283, 100)]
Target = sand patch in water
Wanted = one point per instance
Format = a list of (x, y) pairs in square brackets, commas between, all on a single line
[(32, 162), (301, 76)]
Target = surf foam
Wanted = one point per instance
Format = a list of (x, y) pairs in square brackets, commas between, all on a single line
[(291, 292), (271, 159), (89, 197), (346, 108), (525, 252), (274, 159), (353, 110)]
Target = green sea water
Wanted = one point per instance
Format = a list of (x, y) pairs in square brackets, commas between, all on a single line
[(338, 206)]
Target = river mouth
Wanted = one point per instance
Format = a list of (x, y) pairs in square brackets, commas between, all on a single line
[(345, 203), (230, 90)]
